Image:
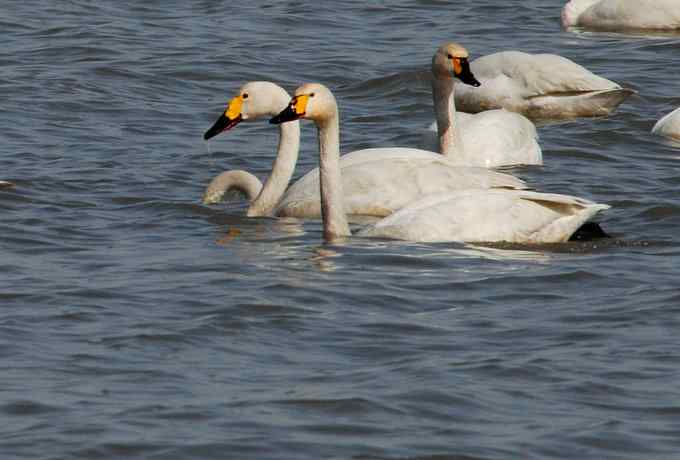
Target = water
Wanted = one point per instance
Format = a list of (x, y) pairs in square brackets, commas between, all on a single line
[(137, 323)]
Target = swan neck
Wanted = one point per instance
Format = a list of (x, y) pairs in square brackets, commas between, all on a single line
[(239, 180), (332, 202), (282, 170), (450, 143)]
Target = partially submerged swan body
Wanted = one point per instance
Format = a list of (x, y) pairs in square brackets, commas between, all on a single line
[(463, 215), (488, 139), (378, 181), (540, 86), (669, 125), (612, 15)]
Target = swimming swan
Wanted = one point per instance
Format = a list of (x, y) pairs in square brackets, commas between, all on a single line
[(540, 86), (464, 215), (377, 181), (489, 139), (669, 126), (622, 14)]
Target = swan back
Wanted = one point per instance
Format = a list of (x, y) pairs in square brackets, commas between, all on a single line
[(622, 14)]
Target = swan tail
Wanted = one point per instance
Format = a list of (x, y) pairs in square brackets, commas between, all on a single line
[(564, 228)]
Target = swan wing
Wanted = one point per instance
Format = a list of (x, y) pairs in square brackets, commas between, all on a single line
[(513, 80), (488, 216)]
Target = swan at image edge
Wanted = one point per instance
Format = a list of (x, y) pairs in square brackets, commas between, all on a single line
[(622, 14), (669, 125), (464, 215)]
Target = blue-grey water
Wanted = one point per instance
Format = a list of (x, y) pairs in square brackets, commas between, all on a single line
[(136, 322)]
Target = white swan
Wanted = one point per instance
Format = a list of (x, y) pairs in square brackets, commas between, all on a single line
[(465, 215), (378, 181), (622, 14), (540, 86), (669, 125), (488, 139), (256, 100)]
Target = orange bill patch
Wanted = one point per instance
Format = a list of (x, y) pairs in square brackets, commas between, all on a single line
[(300, 104), (234, 109), (457, 66)]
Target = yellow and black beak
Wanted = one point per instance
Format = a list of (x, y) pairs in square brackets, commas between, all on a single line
[(461, 70), (230, 118), (295, 110)]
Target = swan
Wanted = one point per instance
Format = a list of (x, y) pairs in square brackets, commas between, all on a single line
[(622, 14), (669, 125), (255, 100), (377, 181), (540, 86), (489, 139), (516, 216)]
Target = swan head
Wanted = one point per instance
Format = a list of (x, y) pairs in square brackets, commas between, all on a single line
[(254, 100), (312, 101), (451, 60)]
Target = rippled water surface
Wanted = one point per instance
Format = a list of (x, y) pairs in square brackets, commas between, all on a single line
[(136, 322)]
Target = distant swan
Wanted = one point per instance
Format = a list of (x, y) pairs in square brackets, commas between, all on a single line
[(466, 215), (669, 126), (488, 139), (622, 14), (540, 86), (377, 181)]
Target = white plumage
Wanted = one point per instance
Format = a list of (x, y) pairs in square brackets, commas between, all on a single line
[(669, 125), (541, 86), (622, 14)]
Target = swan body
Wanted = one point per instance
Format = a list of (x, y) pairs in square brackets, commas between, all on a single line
[(513, 216), (622, 14), (489, 139), (378, 181), (669, 125), (464, 215), (539, 86)]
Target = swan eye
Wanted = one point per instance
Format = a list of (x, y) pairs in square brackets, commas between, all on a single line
[(449, 56), (311, 95), (245, 95)]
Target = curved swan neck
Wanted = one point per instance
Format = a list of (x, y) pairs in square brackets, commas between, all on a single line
[(332, 202), (450, 143), (239, 180), (282, 170)]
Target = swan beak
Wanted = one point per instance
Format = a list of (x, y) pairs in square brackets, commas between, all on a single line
[(294, 111), (461, 69), (230, 118)]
